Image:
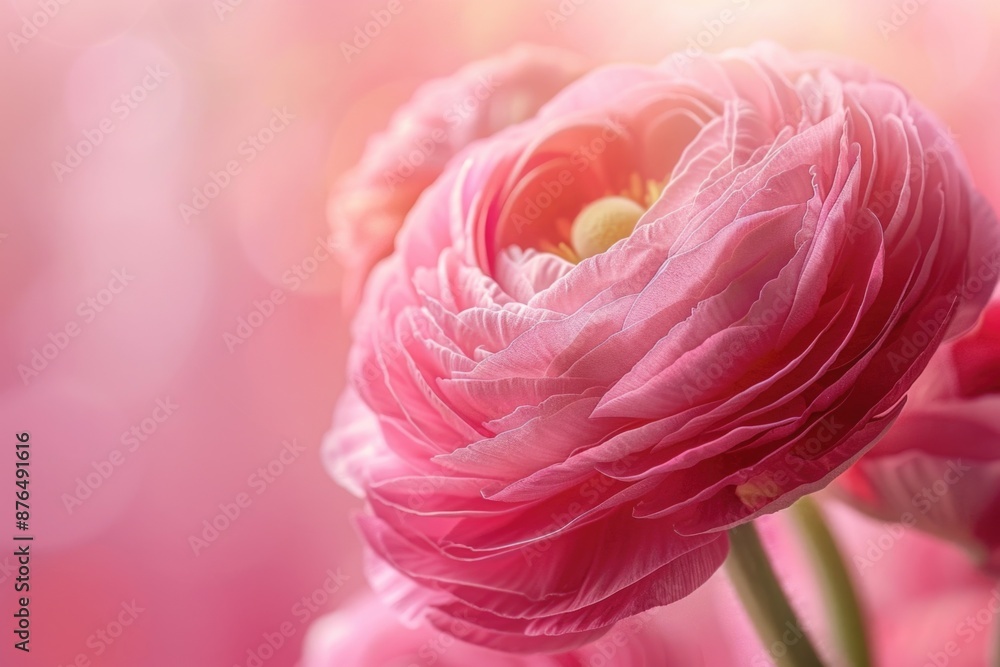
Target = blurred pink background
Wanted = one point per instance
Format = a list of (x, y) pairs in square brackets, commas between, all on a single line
[(163, 183)]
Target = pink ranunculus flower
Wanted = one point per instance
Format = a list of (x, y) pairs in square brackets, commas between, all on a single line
[(938, 468), (679, 297), (365, 633), (369, 203)]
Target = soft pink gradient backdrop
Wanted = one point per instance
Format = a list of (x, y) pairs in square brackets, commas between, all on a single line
[(162, 337)]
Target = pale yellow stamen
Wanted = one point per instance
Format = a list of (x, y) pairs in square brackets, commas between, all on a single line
[(603, 223), (560, 249), (653, 192), (634, 190)]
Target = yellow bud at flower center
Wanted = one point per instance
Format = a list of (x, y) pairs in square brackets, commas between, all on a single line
[(603, 223)]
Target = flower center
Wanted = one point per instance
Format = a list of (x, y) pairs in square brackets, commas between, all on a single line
[(603, 223)]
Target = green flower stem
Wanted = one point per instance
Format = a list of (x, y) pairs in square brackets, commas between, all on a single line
[(765, 601), (839, 594)]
